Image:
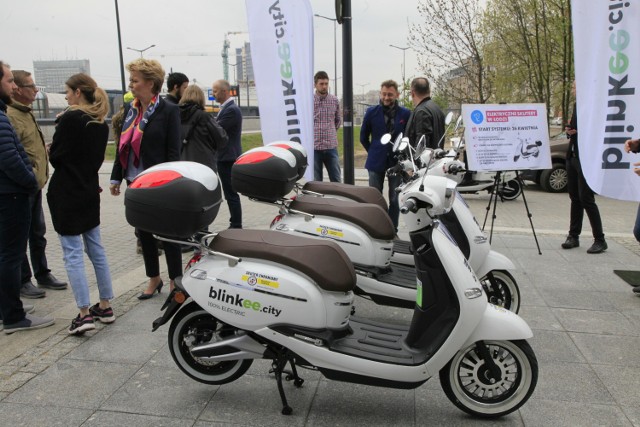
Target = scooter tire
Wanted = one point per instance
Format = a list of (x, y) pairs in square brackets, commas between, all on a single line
[(505, 292), (464, 379), (510, 190), (194, 325)]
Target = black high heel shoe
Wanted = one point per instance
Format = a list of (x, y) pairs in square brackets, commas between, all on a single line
[(152, 294)]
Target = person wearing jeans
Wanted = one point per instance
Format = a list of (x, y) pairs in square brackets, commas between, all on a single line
[(326, 121), (76, 153)]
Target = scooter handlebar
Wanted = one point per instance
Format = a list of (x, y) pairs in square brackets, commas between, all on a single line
[(410, 205), (455, 168)]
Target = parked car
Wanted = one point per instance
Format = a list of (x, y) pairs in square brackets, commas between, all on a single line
[(553, 180)]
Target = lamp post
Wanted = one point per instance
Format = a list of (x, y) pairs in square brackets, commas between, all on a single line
[(141, 50), (403, 49), (335, 54), (363, 103)]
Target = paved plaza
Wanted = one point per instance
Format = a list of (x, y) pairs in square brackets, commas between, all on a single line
[(586, 325)]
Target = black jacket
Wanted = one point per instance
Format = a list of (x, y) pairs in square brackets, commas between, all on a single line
[(76, 153), (16, 174), (426, 119), (160, 141), (202, 137)]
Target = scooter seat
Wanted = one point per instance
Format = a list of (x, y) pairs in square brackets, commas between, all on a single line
[(353, 192), (322, 260), (372, 218)]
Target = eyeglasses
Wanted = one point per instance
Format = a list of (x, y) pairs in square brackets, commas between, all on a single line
[(34, 87)]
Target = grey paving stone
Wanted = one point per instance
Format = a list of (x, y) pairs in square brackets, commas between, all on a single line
[(555, 346), (254, 400), (595, 322), (74, 384), (160, 391), (110, 419), (339, 403), (543, 413), (622, 383), (540, 318), (608, 349), (140, 319), (587, 300), (15, 381), (27, 414), (633, 414), (120, 345), (571, 382)]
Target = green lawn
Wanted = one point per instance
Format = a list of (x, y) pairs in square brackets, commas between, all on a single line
[(252, 140)]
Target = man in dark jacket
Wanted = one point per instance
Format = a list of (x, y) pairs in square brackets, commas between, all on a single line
[(176, 84), (17, 183), (427, 118), (230, 119), (387, 117), (31, 138)]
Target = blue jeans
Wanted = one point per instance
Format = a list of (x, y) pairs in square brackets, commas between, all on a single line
[(15, 217), (636, 228), (37, 242), (74, 263), (376, 179), (330, 159), (233, 199)]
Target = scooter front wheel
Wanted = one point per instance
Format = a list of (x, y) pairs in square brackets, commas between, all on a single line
[(192, 326), (502, 290), (491, 392)]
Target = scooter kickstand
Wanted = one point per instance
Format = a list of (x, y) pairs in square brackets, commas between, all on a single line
[(277, 367)]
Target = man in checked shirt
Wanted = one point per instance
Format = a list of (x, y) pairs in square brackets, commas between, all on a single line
[(326, 121)]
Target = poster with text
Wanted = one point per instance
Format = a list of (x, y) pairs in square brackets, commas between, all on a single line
[(501, 137)]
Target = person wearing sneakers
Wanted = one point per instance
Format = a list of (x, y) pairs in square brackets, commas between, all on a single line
[(31, 138), (17, 184), (581, 195), (76, 153)]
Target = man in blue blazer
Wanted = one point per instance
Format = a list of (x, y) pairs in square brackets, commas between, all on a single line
[(230, 119), (386, 117)]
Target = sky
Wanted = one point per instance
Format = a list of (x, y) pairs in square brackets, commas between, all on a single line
[(189, 35)]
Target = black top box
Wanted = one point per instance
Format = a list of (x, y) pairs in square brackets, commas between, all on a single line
[(265, 173), (298, 152), (173, 199)]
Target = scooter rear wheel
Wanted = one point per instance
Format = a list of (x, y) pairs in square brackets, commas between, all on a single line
[(471, 386), (504, 292), (192, 326)]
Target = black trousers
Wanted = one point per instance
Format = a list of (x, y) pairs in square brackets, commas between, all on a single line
[(582, 200)]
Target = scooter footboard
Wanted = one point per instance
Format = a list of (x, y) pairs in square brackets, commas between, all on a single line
[(498, 323)]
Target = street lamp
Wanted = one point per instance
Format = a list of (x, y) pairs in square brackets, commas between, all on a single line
[(141, 50), (335, 57), (403, 49), (363, 103)]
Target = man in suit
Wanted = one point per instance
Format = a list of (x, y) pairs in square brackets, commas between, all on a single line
[(386, 117), (230, 119), (427, 118)]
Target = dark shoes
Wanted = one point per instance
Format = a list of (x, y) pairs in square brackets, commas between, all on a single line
[(571, 242), (598, 247), (50, 282), (81, 324), (104, 315), (27, 290), (158, 289), (636, 290), (29, 322)]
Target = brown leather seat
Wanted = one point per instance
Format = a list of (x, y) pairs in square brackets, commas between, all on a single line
[(353, 192), (372, 218), (322, 260)]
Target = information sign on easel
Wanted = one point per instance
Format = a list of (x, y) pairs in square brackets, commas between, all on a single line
[(501, 137)]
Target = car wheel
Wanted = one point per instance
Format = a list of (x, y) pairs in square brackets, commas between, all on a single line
[(554, 180)]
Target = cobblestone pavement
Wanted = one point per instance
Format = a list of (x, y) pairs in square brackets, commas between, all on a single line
[(585, 323)]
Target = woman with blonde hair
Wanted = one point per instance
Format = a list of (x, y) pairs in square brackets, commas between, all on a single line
[(76, 153), (202, 136), (150, 135)]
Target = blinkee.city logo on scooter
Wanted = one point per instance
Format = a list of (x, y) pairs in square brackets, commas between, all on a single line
[(228, 298)]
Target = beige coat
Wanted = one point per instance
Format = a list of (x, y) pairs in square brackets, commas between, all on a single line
[(31, 139)]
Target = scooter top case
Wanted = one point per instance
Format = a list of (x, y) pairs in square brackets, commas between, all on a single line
[(173, 199), (348, 192), (298, 152), (265, 173)]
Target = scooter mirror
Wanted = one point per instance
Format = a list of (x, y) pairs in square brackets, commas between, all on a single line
[(422, 144), (396, 144), (386, 138), (448, 118), (404, 143), (459, 121)]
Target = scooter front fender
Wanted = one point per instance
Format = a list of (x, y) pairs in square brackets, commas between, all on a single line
[(494, 261), (499, 324)]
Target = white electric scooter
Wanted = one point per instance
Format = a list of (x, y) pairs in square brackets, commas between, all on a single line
[(259, 294)]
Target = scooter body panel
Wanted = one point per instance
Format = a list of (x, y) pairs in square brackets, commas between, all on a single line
[(500, 324), (257, 293), (494, 261), (356, 242)]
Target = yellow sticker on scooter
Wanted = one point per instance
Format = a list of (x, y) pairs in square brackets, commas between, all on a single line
[(260, 281), (418, 293), (329, 232)]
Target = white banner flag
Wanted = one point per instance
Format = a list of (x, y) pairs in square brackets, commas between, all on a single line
[(281, 34), (607, 60)]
